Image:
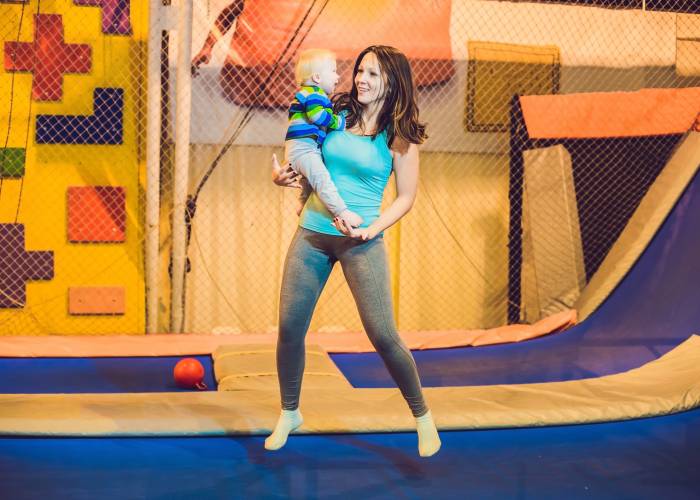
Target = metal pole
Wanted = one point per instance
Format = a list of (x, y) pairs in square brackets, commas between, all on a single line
[(153, 166), (183, 98)]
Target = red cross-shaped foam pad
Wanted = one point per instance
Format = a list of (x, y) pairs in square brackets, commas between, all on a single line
[(47, 57)]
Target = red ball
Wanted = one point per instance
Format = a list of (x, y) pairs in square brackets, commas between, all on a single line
[(189, 374)]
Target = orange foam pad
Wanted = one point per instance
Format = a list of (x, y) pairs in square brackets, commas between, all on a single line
[(190, 344), (96, 214), (96, 300), (611, 114)]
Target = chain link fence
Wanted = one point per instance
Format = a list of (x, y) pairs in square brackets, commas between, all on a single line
[(508, 227)]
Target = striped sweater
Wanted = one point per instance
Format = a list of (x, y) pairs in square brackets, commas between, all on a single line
[(311, 114)]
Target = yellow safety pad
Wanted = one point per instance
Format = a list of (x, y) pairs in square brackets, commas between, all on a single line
[(553, 272), (497, 71), (669, 384), (253, 367), (688, 45)]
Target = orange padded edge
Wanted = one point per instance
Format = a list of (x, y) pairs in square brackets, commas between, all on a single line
[(191, 344), (611, 114)]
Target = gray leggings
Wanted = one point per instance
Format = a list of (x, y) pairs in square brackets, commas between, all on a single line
[(309, 262)]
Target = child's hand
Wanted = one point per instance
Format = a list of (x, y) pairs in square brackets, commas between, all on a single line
[(365, 233), (343, 226), (351, 218)]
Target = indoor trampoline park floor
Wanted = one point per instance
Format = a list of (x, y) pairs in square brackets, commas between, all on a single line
[(652, 311)]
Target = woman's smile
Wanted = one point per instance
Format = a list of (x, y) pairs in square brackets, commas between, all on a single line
[(369, 80)]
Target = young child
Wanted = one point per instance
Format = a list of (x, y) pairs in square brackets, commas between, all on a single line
[(310, 116)]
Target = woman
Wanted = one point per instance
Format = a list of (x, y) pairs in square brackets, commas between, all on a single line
[(382, 135)]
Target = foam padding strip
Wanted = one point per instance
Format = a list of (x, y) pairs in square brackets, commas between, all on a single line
[(174, 345), (669, 384), (253, 367)]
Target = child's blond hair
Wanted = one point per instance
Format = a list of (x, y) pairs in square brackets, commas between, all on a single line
[(310, 62)]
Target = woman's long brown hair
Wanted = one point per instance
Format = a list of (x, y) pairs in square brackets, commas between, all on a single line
[(399, 113)]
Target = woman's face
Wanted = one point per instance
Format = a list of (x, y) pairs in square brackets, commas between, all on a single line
[(369, 80)]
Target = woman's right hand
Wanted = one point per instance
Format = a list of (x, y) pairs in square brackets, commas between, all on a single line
[(284, 176)]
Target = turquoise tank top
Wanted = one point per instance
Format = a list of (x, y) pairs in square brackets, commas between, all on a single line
[(360, 168)]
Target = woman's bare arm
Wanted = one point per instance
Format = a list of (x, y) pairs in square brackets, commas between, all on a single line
[(406, 167)]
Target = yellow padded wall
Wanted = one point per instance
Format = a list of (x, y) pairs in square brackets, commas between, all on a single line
[(38, 199)]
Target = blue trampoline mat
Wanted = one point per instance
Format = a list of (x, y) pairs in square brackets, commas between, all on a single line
[(76, 375), (641, 459)]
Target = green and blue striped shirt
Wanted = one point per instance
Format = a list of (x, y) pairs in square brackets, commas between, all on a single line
[(311, 114)]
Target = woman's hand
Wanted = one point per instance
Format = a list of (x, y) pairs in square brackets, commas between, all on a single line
[(365, 233), (284, 176)]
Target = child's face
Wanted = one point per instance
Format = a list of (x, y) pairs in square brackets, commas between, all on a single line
[(328, 76)]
